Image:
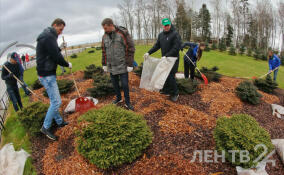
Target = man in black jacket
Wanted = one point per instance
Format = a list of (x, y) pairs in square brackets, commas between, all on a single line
[(48, 57), (169, 42), (11, 82)]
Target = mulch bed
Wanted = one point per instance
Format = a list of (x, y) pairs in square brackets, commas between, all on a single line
[(178, 128)]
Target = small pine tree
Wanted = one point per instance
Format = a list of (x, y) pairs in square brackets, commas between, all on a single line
[(257, 54), (267, 85), (222, 46), (214, 46), (232, 50), (207, 48), (247, 92), (249, 52), (242, 49)]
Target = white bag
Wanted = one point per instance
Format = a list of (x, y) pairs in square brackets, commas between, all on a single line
[(278, 110), (180, 76), (12, 162), (155, 72), (71, 105), (279, 146), (260, 170)]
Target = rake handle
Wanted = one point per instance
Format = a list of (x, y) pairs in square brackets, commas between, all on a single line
[(191, 62), (65, 50), (270, 72)]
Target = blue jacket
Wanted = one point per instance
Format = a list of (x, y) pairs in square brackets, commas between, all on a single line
[(274, 62), (192, 51)]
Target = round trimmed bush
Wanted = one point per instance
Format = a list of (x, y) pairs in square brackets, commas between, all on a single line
[(32, 117), (187, 86), (241, 132), (64, 87), (112, 136), (211, 74), (266, 85), (247, 92)]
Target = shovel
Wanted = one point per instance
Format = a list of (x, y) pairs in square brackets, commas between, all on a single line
[(82, 104), (202, 75)]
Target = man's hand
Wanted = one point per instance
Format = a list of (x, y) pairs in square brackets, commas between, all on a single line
[(146, 56), (105, 68), (70, 65), (63, 45), (129, 69), (11, 75), (164, 57)]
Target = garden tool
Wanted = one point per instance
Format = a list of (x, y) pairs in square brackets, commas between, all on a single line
[(202, 75), (82, 104), (22, 83), (254, 77)]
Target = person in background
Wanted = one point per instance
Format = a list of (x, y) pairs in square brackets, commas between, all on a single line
[(194, 53), (11, 82), (23, 58), (24, 85), (117, 58), (27, 59), (274, 63), (48, 57), (169, 41)]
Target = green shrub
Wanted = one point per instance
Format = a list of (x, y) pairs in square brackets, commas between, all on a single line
[(222, 46), (74, 55), (64, 87), (214, 46), (249, 52), (138, 70), (257, 54), (232, 50), (242, 49), (91, 70), (247, 92), (266, 85), (207, 48), (91, 51), (98, 48), (241, 132), (211, 74), (32, 117), (187, 86), (37, 85), (113, 136), (102, 86)]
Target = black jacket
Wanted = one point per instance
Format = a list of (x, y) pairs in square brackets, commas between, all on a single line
[(169, 43), (48, 54), (15, 69)]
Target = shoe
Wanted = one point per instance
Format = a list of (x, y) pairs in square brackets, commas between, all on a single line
[(174, 98), (164, 93), (129, 107), (116, 101), (64, 123), (48, 133)]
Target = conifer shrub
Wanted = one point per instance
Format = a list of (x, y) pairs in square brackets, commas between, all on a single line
[(91, 70), (74, 55), (214, 46), (266, 85), (91, 51), (247, 92), (102, 86), (211, 74), (242, 49), (36, 85), (239, 133), (32, 117), (207, 48), (187, 86), (232, 50), (64, 87), (112, 136)]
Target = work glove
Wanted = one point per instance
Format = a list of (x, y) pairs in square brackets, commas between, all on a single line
[(70, 65), (11, 75), (129, 69), (146, 56), (105, 68), (63, 45), (164, 57)]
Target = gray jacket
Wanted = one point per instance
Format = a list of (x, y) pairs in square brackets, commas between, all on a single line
[(117, 51)]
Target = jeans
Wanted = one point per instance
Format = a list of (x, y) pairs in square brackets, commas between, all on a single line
[(124, 83), (25, 85), (170, 85), (275, 74), (50, 84), (188, 66), (14, 95)]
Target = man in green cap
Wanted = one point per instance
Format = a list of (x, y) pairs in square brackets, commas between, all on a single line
[(169, 42)]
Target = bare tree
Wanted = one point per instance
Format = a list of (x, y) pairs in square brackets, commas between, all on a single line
[(281, 23), (138, 15), (217, 13), (126, 10)]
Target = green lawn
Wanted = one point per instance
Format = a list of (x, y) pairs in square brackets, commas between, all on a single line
[(237, 66)]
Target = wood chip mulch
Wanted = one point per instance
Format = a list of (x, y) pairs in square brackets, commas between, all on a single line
[(178, 130)]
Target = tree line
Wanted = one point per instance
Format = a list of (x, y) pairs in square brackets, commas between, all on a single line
[(244, 24)]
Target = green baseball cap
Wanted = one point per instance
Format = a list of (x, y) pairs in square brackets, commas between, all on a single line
[(166, 21)]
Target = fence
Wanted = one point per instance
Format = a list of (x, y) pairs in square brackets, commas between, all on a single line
[(4, 103)]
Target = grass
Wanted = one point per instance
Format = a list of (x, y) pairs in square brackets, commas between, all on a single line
[(236, 66)]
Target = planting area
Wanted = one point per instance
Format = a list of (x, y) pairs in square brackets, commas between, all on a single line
[(178, 130)]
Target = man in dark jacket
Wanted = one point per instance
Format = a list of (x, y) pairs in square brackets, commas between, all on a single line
[(169, 42), (117, 58), (11, 82), (48, 57), (24, 61)]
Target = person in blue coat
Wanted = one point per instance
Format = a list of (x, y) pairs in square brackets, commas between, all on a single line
[(274, 63), (194, 53)]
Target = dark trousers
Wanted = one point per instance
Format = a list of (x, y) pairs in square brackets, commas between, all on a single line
[(124, 83), (14, 95), (170, 85), (188, 66)]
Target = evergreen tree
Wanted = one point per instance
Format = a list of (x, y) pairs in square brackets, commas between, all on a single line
[(214, 46), (205, 20), (229, 35), (257, 54), (232, 50), (242, 49), (222, 45), (183, 22), (249, 52), (207, 48)]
